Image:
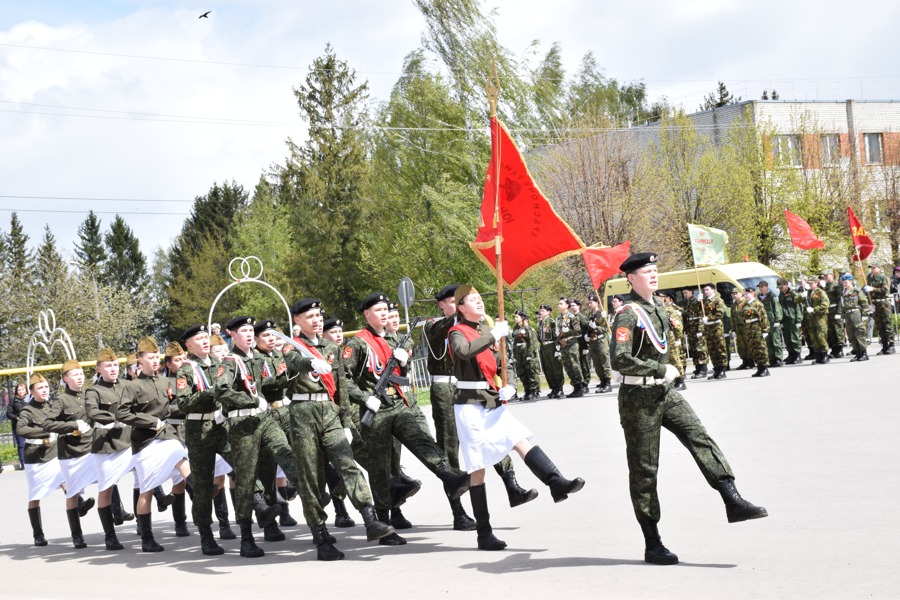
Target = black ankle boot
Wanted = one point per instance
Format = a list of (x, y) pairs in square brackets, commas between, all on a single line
[(265, 514), (391, 539), (544, 469), (120, 515), (761, 372), (272, 533), (148, 543), (398, 521), (136, 494), (678, 384), (456, 483), (249, 549), (84, 505), (375, 529), (736, 507), (461, 521), (486, 538), (517, 494), (37, 528), (285, 518), (654, 551), (75, 528), (325, 549), (208, 544), (341, 517), (163, 500), (401, 490), (109, 528), (180, 516), (220, 504)]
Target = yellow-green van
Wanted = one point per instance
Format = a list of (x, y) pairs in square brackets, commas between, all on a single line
[(725, 277)]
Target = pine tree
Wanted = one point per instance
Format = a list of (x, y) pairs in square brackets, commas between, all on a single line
[(721, 97), (90, 253), (51, 271), (126, 265), (19, 258)]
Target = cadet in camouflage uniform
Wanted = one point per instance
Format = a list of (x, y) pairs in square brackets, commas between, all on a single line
[(525, 350), (677, 357), (756, 327), (714, 330), (737, 326), (775, 340), (836, 335), (550, 355), (647, 402), (693, 331), (583, 343), (598, 338), (792, 319), (854, 307), (879, 289), (568, 332), (816, 319)]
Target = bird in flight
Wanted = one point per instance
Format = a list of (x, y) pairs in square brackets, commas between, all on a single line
[(205, 15)]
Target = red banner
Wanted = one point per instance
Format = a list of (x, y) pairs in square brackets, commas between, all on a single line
[(603, 263), (861, 240), (802, 235), (513, 208)]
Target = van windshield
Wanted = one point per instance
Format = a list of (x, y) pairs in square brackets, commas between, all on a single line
[(754, 281)]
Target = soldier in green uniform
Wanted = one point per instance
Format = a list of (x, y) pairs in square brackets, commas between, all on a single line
[(583, 342), (550, 355), (647, 402), (775, 339), (440, 368), (816, 319), (792, 320), (714, 330), (568, 332), (878, 287), (836, 335), (693, 330), (598, 342), (525, 350), (737, 326), (757, 330), (174, 358), (854, 308), (677, 356)]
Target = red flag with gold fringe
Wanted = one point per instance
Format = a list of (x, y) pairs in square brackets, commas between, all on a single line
[(861, 240)]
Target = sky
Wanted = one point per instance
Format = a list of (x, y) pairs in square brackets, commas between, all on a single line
[(137, 107)]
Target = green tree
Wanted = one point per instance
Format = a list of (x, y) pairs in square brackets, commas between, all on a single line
[(126, 265), (89, 250), (19, 257), (212, 214), (592, 93), (721, 97), (51, 269)]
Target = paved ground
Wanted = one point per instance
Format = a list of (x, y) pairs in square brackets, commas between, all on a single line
[(816, 445)]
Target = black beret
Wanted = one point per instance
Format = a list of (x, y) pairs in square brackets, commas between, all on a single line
[(564, 299), (263, 326), (636, 261), (593, 298), (576, 302), (192, 331), (237, 322), (332, 323), (373, 299), (301, 306), (545, 307), (522, 314), (446, 292), (393, 306)]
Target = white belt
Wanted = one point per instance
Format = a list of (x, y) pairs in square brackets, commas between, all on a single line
[(520, 343), (550, 342), (443, 379), (309, 397), (832, 305), (42, 441), (632, 380), (693, 318), (404, 388), (243, 412), (851, 310), (713, 322), (113, 425), (751, 320), (203, 416), (175, 421), (471, 385), (677, 343)]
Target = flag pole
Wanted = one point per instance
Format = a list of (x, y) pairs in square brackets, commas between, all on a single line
[(492, 88)]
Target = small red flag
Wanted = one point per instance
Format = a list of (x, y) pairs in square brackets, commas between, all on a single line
[(603, 263), (531, 232), (861, 240), (802, 235)]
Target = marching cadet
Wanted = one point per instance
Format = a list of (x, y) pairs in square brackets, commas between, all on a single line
[(366, 356), (816, 319), (174, 357), (598, 344), (218, 347), (836, 334), (487, 432), (111, 446), (525, 349), (320, 419), (156, 448), (583, 343), (775, 339), (253, 434), (568, 331), (68, 420), (737, 326), (792, 321), (333, 331), (640, 352), (693, 313), (878, 286), (677, 355), (550, 354), (42, 470), (853, 308), (756, 329), (714, 331)]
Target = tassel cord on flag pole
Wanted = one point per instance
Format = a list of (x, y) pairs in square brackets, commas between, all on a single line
[(492, 88)]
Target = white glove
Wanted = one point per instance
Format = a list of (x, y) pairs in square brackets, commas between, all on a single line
[(102, 426), (671, 374), (501, 329), (838, 317), (592, 325), (587, 337), (557, 354), (373, 403), (402, 356), (867, 288), (765, 334), (705, 320), (53, 437), (263, 404), (83, 427), (810, 309), (160, 425), (603, 314), (699, 334), (506, 393), (778, 325), (530, 358), (119, 425), (348, 434), (320, 366), (803, 294), (586, 352), (798, 325)]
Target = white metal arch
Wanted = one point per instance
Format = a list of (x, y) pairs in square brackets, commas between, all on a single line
[(47, 337), (247, 267)]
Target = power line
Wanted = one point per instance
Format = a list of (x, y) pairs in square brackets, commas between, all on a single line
[(96, 212), (87, 199)]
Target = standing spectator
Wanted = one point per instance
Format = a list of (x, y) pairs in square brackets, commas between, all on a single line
[(13, 409)]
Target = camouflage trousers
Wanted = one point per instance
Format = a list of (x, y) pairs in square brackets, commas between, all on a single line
[(204, 440), (551, 365), (600, 357), (676, 356), (423, 423), (884, 323), (697, 345), (740, 343), (836, 334), (445, 421), (529, 372), (756, 345), (856, 330), (775, 343), (571, 361), (643, 412), (584, 356), (792, 340), (396, 420), (715, 341), (817, 331), (317, 436)]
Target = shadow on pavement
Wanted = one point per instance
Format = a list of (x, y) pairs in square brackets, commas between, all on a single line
[(522, 561)]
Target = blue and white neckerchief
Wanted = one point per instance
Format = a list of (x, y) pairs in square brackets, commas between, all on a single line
[(643, 319)]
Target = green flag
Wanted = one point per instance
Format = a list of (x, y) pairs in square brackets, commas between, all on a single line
[(708, 245)]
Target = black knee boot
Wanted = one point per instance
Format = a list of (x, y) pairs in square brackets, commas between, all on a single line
[(221, 508), (461, 521), (180, 516), (285, 518), (544, 469), (148, 543), (75, 528), (486, 538), (163, 500), (109, 528), (654, 551), (249, 549), (517, 494), (118, 509), (37, 528), (136, 494)]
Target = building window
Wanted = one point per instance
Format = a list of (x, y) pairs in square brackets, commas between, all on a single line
[(873, 148), (786, 150), (831, 149)]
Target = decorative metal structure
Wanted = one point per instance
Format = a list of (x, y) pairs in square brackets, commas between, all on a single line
[(248, 274), (47, 337)]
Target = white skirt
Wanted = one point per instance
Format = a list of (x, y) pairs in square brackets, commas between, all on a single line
[(79, 473), (155, 463), (486, 435), (112, 467), (43, 478), (279, 472), (222, 467)]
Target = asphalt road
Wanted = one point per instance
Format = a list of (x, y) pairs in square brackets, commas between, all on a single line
[(815, 445)]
